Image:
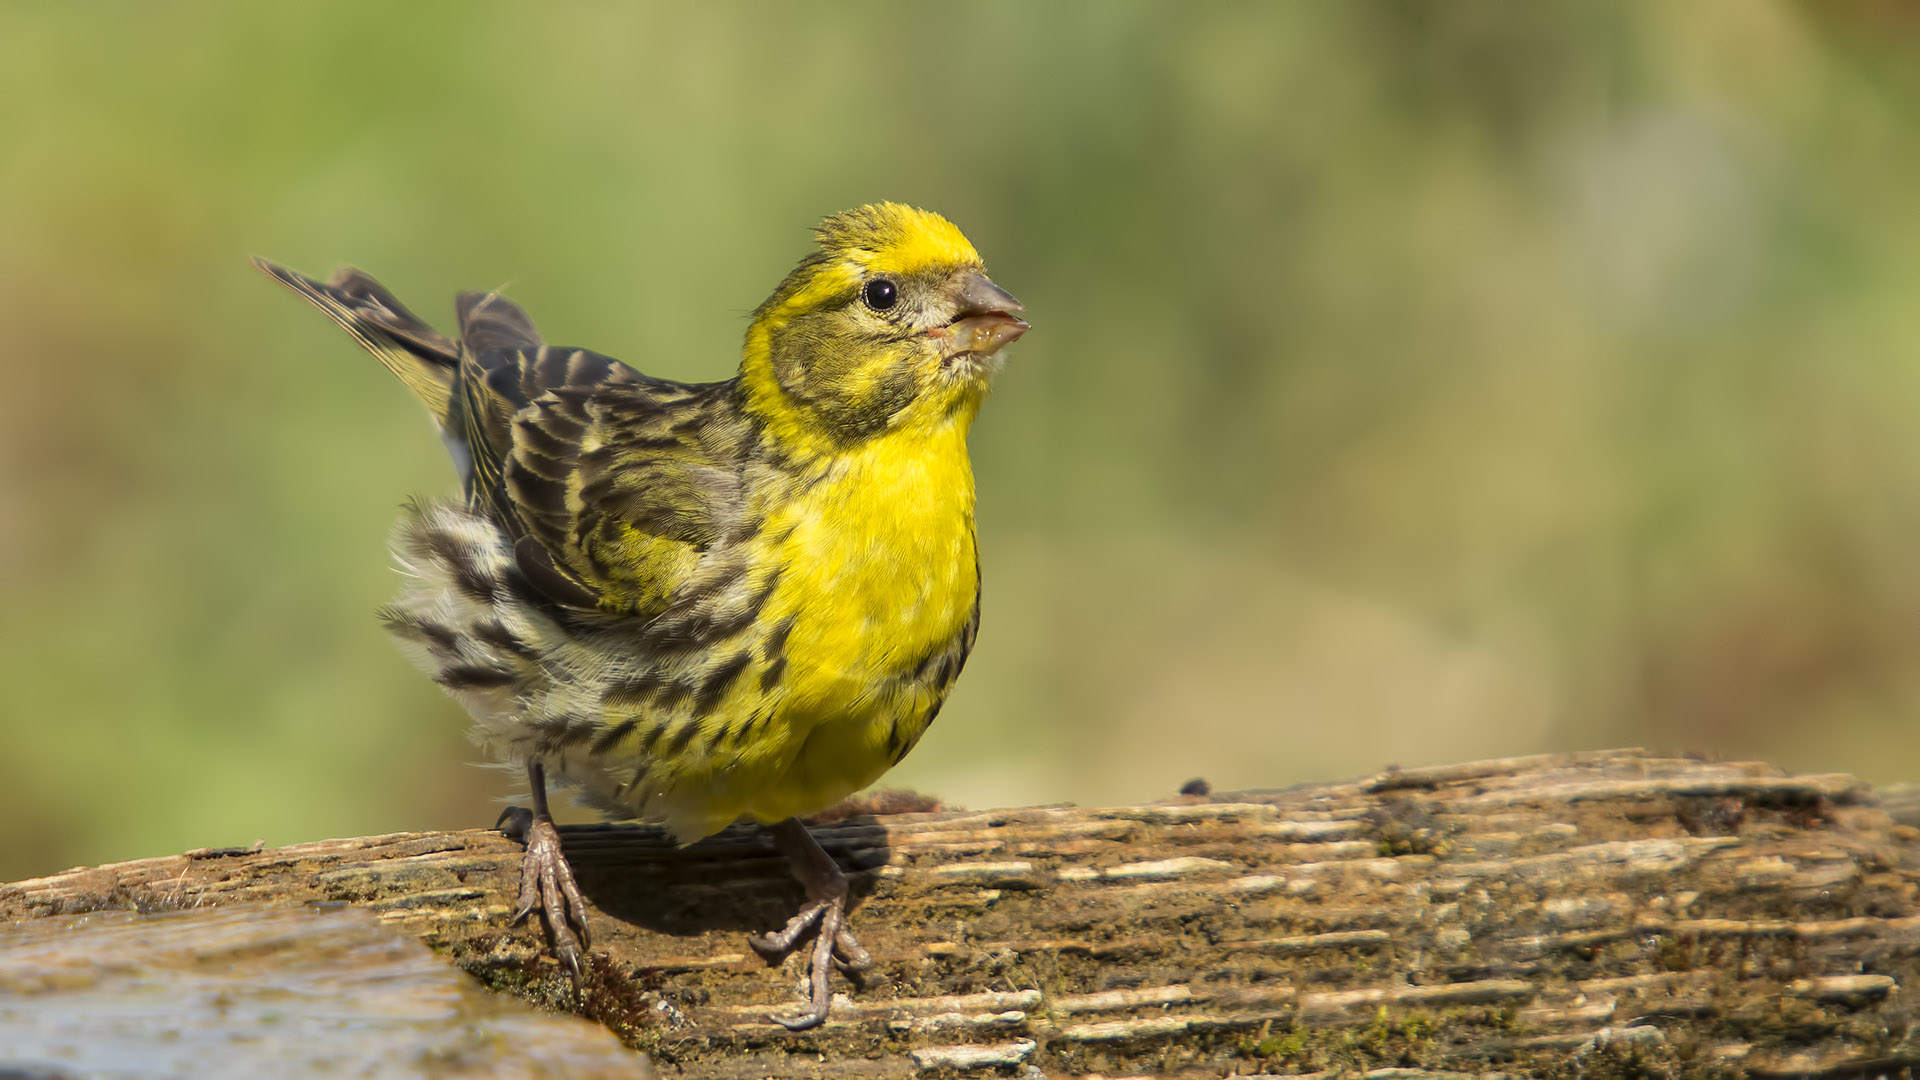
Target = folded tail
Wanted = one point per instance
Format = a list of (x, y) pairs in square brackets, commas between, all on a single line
[(423, 359)]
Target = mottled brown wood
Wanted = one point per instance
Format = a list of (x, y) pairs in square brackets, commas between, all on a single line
[(1594, 914)]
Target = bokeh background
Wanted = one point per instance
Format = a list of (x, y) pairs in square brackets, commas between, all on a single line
[(1409, 382)]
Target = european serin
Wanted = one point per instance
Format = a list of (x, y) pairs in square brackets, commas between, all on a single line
[(696, 602)]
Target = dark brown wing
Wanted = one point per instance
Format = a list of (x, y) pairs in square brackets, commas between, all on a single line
[(611, 482)]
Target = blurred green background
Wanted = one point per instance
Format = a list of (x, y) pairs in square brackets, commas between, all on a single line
[(1409, 382)]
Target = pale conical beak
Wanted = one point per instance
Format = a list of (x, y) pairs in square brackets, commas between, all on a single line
[(986, 322)]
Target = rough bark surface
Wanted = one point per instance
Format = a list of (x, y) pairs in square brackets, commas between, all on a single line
[(1592, 914)]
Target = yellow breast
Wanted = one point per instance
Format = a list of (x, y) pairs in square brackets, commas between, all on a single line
[(879, 573), (879, 568)]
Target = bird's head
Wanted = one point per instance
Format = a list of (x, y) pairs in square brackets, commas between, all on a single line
[(890, 324)]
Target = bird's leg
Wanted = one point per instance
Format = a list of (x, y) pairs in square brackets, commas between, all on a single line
[(826, 906), (546, 882)]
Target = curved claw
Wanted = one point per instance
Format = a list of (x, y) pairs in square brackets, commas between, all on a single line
[(514, 822), (848, 950)]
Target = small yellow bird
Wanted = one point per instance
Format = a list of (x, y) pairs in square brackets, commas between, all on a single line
[(697, 602)]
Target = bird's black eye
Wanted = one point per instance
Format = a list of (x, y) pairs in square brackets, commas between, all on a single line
[(880, 294)]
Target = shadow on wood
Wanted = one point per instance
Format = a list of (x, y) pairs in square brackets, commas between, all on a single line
[(1590, 914), (736, 882)]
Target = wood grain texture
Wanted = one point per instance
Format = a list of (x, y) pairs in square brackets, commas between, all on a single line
[(1590, 914)]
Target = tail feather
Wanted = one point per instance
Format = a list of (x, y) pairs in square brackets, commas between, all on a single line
[(423, 359), (489, 322)]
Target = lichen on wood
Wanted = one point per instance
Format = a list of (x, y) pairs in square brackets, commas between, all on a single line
[(1588, 914)]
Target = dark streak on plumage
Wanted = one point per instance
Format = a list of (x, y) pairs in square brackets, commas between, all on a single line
[(972, 630), (611, 737), (776, 639), (774, 672), (637, 691), (679, 739), (920, 668), (558, 733), (494, 632), (641, 767), (539, 438), (557, 423), (435, 635), (693, 621), (458, 558), (650, 738), (730, 624), (675, 694), (543, 466), (903, 747), (718, 682), (473, 677), (643, 444), (713, 737), (547, 581), (541, 494)]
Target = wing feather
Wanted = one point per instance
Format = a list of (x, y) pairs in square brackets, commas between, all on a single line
[(612, 483)]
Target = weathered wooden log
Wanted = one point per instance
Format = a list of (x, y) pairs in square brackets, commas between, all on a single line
[(1588, 914)]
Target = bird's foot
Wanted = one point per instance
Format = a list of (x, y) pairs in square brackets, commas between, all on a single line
[(546, 885), (833, 941), (826, 910)]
